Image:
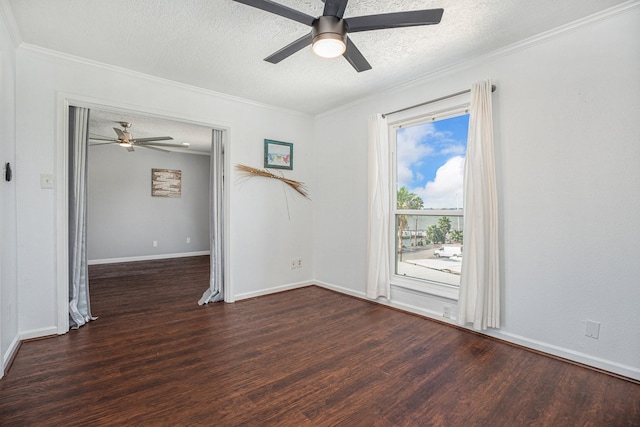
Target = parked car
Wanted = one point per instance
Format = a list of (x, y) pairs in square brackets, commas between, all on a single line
[(448, 251)]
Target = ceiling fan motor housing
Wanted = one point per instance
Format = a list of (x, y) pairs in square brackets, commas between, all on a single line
[(329, 27)]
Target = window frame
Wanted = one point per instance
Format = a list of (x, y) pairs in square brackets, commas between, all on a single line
[(427, 286)]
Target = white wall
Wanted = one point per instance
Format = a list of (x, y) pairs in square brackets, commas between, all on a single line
[(123, 219), (264, 233), (568, 159), (8, 281)]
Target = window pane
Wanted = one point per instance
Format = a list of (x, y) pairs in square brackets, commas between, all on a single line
[(429, 178), (429, 247), (430, 164)]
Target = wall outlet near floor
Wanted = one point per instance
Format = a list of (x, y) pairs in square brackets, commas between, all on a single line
[(299, 263), (592, 329), (446, 312), (188, 239), (155, 243), (294, 264)]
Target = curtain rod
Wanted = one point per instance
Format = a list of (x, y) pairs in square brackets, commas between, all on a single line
[(431, 101)]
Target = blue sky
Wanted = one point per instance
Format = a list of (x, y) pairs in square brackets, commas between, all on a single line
[(431, 160)]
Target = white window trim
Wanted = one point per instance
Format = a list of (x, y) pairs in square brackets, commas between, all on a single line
[(425, 286)]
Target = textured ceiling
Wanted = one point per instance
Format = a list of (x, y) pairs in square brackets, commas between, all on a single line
[(220, 44)]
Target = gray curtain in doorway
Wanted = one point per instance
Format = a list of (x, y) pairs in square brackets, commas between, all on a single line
[(79, 306), (216, 220)]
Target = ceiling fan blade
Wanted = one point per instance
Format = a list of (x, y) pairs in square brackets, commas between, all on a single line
[(100, 138), (334, 8), (394, 20), (154, 148), (290, 49), (121, 134), (278, 9), (103, 143), (129, 149), (355, 57), (155, 138), (151, 144)]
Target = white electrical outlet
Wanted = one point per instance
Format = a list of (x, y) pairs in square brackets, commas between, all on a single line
[(188, 239), (446, 312), (299, 263), (592, 329), (294, 264), (155, 243)]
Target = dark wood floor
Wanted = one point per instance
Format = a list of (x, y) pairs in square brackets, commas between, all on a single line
[(308, 357)]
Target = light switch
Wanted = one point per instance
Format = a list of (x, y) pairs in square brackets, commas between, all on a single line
[(46, 181)]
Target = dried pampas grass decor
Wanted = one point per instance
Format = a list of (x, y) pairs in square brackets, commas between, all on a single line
[(249, 172)]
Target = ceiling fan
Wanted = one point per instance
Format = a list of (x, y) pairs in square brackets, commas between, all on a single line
[(125, 139), (328, 35)]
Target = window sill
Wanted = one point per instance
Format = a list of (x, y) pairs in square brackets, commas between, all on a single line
[(429, 288)]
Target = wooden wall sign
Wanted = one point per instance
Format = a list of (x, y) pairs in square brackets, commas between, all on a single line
[(166, 183)]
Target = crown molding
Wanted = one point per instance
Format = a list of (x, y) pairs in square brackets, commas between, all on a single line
[(54, 54)]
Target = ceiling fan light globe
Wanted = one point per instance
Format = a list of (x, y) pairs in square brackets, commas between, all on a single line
[(329, 45), (125, 144)]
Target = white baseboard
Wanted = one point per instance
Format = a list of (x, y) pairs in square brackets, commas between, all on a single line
[(15, 344), (553, 350), (38, 333), (273, 290), (340, 289), (146, 257), (565, 353), (10, 354)]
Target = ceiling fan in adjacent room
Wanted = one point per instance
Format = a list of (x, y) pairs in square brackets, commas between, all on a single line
[(328, 35), (125, 139)]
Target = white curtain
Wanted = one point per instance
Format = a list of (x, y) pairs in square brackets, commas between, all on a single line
[(479, 301), (378, 256), (79, 305), (216, 220)]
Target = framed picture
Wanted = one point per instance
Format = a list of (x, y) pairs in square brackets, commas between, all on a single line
[(278, 155), (166, 183)]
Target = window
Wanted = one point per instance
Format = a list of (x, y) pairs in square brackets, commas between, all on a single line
[(429, 156)]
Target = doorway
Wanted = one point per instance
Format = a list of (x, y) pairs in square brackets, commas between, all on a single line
[(120, 203)]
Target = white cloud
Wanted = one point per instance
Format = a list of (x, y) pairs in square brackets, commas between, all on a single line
[(445, 191), (415, 143), (411, 150), (453, 149)]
